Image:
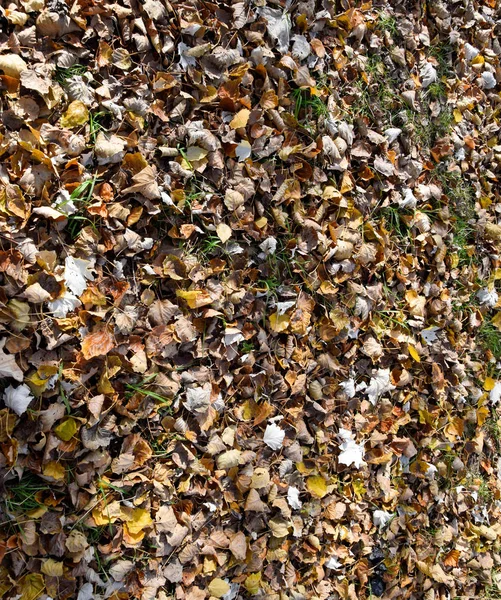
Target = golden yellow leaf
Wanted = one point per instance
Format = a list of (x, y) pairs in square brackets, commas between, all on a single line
[(346, 183), (137, 519), (55, 470), (106, 513), (248, 410), (218, 587), (458, 117), (489, 384), (75, 115), (414, 353), (317, 486), (67, 429), (240, 119), (482, 414), (195, 298)]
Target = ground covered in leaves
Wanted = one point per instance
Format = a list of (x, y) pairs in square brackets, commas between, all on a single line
[(250, 326)]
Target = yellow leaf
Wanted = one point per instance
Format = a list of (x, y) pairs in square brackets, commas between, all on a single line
[(196, 153), (36, 513), (31, 586), (53, 568), (55, 470), (279, 323), (496, 320), (347, 183), (218, 587), (414, 353), (482, 414), (358, 488), (269, 100), (195, 298), (248, 411), (458, 117), (137, 519), (76, 115), (12, 65), (223, 232), (240, 119), (21, 312), (67, 429), (106, 513), (253, 583), (317, 486), (489, 384)]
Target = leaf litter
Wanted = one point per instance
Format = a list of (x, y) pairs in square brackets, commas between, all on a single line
[(250, 331)]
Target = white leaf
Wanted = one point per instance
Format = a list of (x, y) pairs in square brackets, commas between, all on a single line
[(198, 399), (232, 335), (470, 52), (86, 592), (18, 399), (488, 297), (301, 48), (109, 149), (428, 74), (274, 436), (430, 335), (379, 385), (351, 452), (60, 307), (279, 27), (381, 517), (430, 471), (348, 387), (495, 394), (409, 200), (8, 364), (243, 150), (383, 166), (76, 274), (333, 563), (78, 89), (185, 60), (283, 307), (269, 246), (489, 80), (120, 568), (293, 498), (391, 134)]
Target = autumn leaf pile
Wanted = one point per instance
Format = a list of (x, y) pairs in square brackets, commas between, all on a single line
[(250, 326)]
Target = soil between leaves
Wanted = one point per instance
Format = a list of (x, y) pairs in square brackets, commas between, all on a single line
[(250, 323)]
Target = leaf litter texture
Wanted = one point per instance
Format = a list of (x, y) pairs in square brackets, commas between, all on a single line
[(250, 326)]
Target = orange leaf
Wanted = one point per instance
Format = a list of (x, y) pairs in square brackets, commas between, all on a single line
[(451, 559), (97, 343)]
